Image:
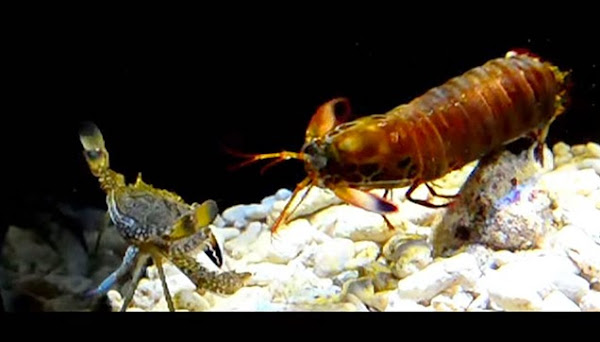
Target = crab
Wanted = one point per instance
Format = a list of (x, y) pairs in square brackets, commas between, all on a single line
[(158, 224)]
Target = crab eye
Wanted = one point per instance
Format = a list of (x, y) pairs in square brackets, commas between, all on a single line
[(93, 154)]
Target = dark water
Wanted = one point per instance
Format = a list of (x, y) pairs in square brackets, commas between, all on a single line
[(167, 102)]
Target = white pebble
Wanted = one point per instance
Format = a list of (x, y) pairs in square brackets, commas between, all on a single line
[(364, 290), (581, 249), (438, 276), (593, 164), (503, 257), (356, 224), (590, 302), (265, 273), (561, 148), (557, 301), (570, 181), (522, 285), (239, 246), (190, 300), (245, 299), (366, 247), (306, 257), (395, 304), (179, 282), (481, 302), (413, 257), (365, 253), (578, 210), (593, 149), (316, 200), (448, 302), (283, 194), (575, 238), (258, 250), (349, 307), (268, 202), (321, 237), (115, 300), (168, 268), (255, 212), (345, 276), (225, 234), (289, 241), (514, 298), (235, 215), (357, 302), (303, 286), (147, 294), (161, 306), (572, 286), (219, 222), (578, 149), (331, 257)]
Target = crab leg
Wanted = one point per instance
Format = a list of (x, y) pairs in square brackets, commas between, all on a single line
[(128, 260), (135, 279), (157, 259)]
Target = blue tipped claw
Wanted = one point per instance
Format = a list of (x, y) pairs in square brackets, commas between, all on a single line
[(129, 259)]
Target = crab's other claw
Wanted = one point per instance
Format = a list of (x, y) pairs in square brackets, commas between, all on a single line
[(224, 283), (197, 223), (94, 150), (202, 216), (213, 250)]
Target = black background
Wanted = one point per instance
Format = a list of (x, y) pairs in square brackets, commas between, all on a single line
[(168, 95)]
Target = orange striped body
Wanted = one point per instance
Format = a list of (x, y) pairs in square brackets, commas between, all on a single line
[(444, 129), (447, 127)]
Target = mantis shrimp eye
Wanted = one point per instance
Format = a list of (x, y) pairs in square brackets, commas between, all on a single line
[(316, 155), (310, 149)]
